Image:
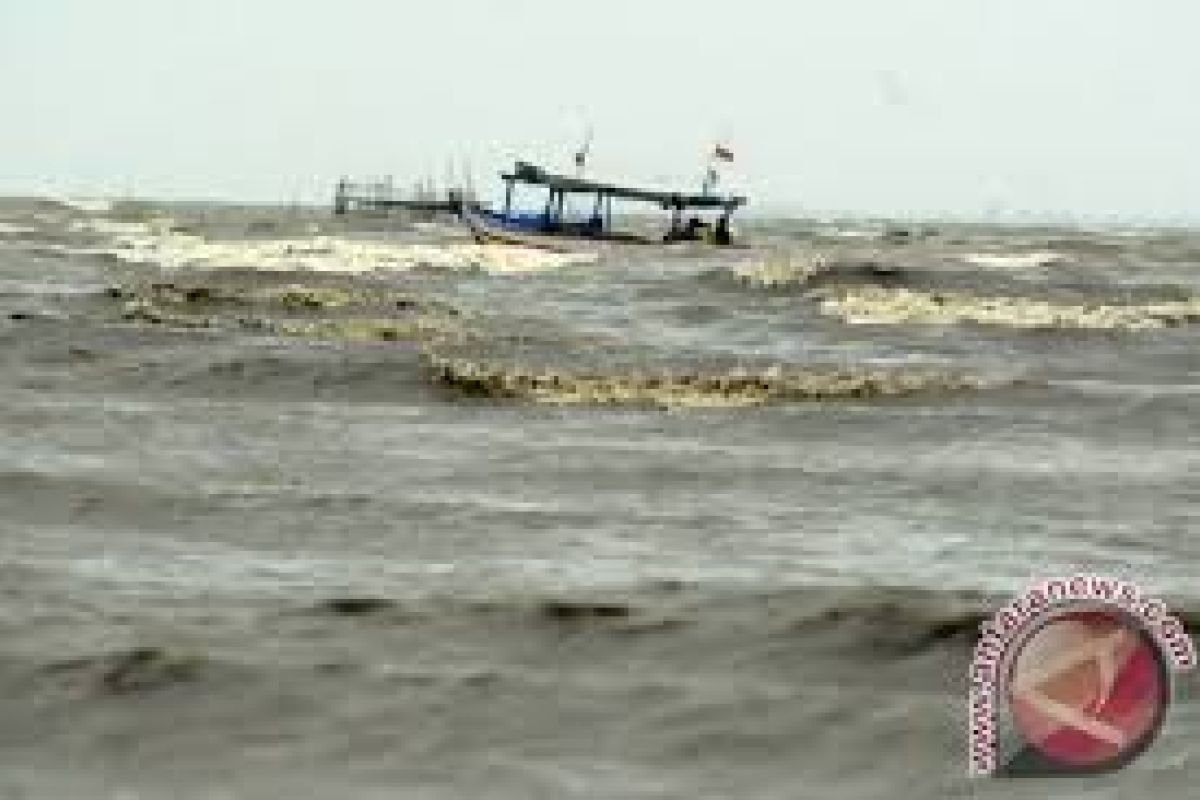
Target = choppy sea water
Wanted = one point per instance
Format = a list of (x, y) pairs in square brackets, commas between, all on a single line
[(290, 505)]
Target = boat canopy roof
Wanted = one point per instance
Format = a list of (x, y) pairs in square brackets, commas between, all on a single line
[(524, 172)]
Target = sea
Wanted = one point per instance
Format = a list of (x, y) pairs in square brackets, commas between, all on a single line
[(312, 507)]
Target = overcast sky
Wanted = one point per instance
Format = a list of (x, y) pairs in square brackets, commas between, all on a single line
[(875, 106)]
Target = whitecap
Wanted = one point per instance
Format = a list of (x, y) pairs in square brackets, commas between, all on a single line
[(782, 269), (9, 229), (1014, 260), (880, 306), (87, 205), (141, 244), (111, 227)]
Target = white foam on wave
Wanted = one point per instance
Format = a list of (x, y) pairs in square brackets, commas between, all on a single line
[(1014, 260), (119, 228), (147, 244), (87, 205), (9, 229), (781, 269), (880, 306)]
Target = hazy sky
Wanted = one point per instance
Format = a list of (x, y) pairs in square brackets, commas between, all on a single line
[(885, 106)]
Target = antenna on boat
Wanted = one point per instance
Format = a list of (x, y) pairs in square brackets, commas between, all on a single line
[(581, 155)]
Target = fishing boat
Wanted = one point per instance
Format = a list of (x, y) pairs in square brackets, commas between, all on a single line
[(550, 227)]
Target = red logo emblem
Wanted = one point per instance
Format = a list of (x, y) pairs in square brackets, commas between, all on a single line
[(1088, 690)]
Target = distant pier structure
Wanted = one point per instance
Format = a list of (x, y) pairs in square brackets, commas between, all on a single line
[(381, 196)]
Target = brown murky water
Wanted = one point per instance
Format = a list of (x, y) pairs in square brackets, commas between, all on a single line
[(294, 509)]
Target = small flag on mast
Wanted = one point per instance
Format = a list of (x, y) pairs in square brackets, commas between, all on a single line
[(722, 153), (581, 155)]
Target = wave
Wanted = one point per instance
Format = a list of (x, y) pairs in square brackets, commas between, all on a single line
[(156, 244), (879, 617), (886, 622), (893, 306), (691, 387), (858, 690), (123, 230), (808, 268), (1016, 261), (334, 312), (11, 229), (783, 269), (893, 620), (134, 670), (86, 205)]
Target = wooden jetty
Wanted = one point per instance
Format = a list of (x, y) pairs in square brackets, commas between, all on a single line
[(382, 197)]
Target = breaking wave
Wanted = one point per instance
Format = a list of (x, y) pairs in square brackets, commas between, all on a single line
[(803, 268), (1017, 261), (892, 306), (691, 387), (783, 269), (142, 243), (11, 229), (85, 205)]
